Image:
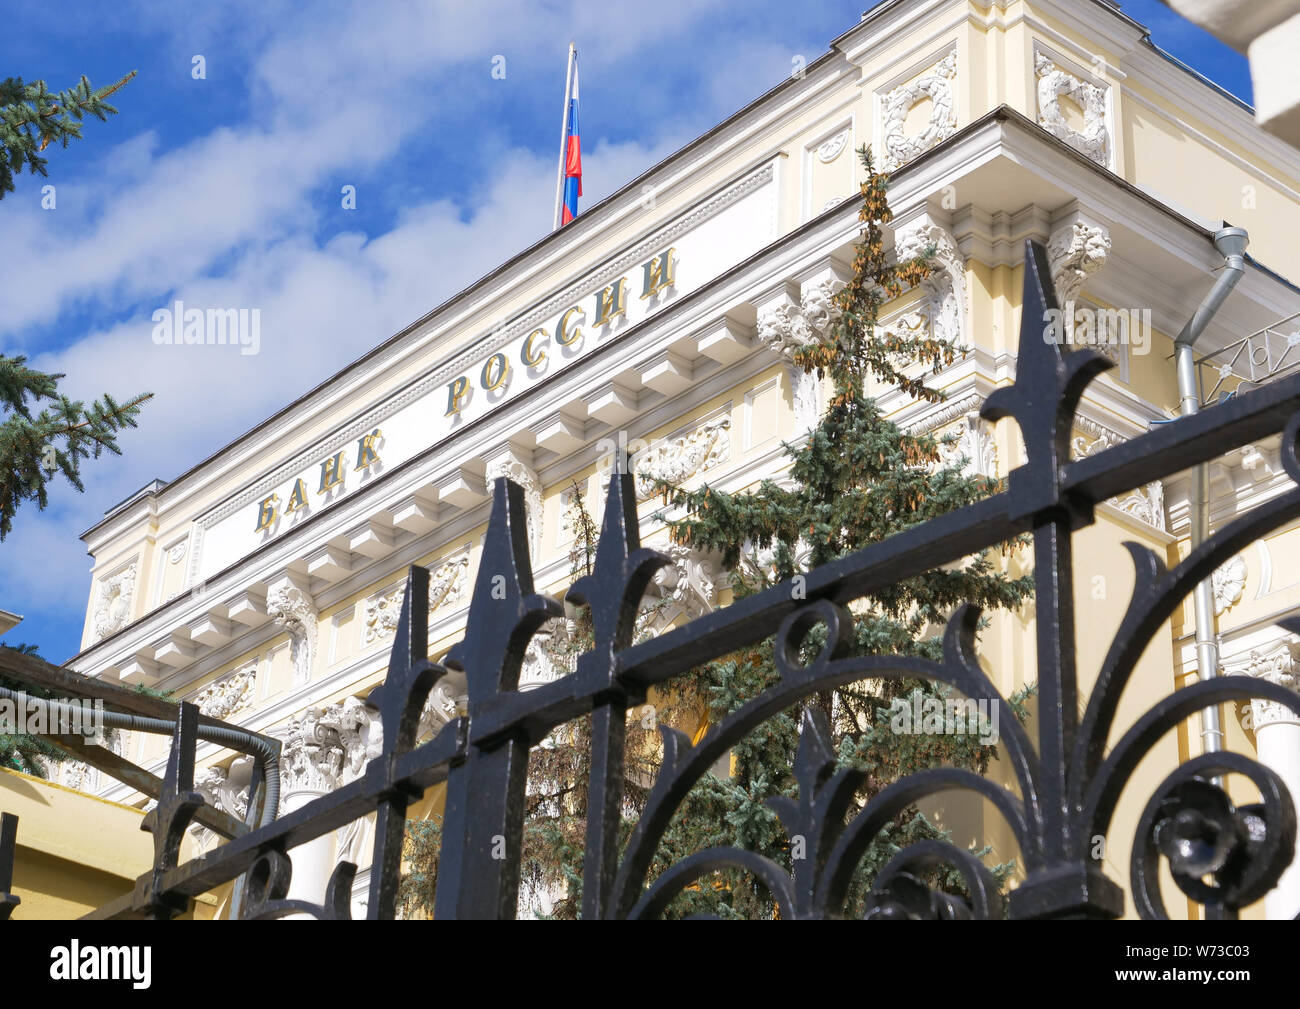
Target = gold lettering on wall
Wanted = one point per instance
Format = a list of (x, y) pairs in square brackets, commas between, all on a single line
[(331, 472)]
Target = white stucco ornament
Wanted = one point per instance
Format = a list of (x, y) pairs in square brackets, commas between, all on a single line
[(935, 84), (113, 608), (1092, 140)]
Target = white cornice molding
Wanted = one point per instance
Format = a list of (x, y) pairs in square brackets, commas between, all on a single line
[(788, 258), (1236, 122), (560, 253), (673, 176), (1254, 168)]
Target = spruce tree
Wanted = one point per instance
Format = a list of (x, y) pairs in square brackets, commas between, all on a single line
[(32, 117), (857, 480)]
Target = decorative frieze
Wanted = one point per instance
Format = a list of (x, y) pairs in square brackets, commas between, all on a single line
[(785, 326), (1145, 503), (935, 85), (328, 747), (447, 581), (974, 443), (442, 705), (686, 583), (681, 457), (113, 606), (229, 695), (226, 789), (549, 655), (1277, 665), (1092, 139)]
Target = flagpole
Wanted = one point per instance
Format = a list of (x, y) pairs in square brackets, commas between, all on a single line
[(564, 131)]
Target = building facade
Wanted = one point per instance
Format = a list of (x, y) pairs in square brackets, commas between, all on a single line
[(264, 583)]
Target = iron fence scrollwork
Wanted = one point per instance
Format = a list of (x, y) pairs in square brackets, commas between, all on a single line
[(1067, 781)]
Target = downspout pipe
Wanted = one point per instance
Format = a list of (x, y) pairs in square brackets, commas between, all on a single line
[(1231, 244), (223, 735)]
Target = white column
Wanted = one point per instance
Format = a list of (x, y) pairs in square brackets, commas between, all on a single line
[(311, 764), (1277, 743), (312, 862)]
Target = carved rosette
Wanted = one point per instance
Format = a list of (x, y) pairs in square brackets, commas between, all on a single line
[(1229, 582), (446, 587), (1093, 139), (113, 607), (828, 150), (294, 610), (683, 457), (934, 84)]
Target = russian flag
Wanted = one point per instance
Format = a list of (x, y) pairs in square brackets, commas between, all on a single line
[(572, 155)]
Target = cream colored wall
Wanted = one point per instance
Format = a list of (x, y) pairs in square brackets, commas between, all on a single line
[(63, 873)]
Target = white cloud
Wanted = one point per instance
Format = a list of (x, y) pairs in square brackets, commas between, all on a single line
[(227, 219)]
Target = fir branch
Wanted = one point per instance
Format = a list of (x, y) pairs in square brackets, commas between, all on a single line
[(33, 449), (32, 117)]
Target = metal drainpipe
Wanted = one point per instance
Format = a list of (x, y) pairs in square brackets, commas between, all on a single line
[(1231, 243)]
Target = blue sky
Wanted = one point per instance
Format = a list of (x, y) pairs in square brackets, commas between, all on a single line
[(225, 191)]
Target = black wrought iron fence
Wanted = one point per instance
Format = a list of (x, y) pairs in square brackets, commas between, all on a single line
[(1066, 786)]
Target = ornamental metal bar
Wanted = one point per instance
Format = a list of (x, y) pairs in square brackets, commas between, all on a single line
[(1067, 782), (1261, 357), (8, 848)]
